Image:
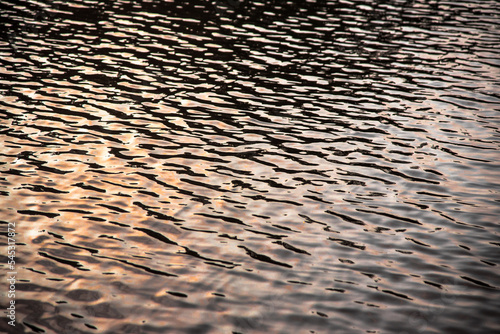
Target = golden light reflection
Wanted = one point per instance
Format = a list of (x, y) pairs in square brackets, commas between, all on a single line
[(166, 170)]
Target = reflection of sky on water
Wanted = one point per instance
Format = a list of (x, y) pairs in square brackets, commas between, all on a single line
[(177, 167)]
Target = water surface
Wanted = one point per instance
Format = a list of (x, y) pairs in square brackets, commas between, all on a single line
[(251, 167)]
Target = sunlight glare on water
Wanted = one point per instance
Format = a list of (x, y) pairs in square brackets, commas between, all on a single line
[(251, 166)]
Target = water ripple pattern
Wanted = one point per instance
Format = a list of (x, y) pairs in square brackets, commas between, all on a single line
[(233, 166)]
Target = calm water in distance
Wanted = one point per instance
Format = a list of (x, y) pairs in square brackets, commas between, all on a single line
[(246, 167)]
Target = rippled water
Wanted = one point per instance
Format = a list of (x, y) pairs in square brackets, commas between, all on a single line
[(251, 167)]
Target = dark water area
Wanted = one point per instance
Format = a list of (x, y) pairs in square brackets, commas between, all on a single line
[(250, 166)]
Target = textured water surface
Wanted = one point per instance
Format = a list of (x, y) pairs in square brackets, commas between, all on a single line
[(251, 167)]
